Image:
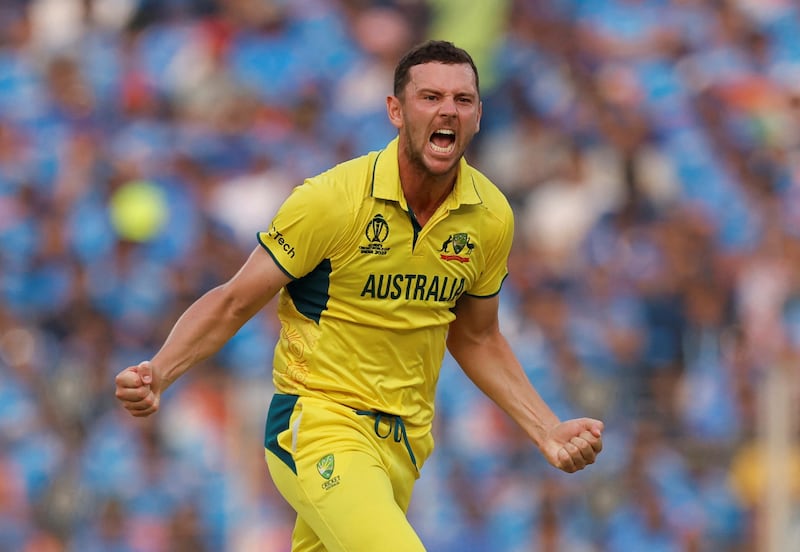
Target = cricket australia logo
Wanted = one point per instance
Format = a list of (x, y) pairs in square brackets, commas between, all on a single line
[(461, 245), (325, 467), (377, 231)]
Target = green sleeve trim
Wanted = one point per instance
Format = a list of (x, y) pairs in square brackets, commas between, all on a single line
[(271, 254), (491, 294)]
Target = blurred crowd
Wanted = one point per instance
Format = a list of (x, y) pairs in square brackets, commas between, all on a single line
[(650, 149)]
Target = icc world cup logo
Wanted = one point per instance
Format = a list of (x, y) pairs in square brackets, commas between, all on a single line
[(377, 229)]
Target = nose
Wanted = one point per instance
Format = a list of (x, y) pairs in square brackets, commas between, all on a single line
[(448, 106)]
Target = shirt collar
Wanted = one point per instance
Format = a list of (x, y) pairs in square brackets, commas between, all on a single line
[(386, 180)]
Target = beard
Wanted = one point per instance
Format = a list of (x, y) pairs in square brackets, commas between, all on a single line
[(416, 157)]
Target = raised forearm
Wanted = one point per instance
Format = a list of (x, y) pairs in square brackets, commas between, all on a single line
[(490, 363), (201, 331)]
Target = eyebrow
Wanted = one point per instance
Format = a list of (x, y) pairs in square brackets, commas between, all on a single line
[(429, 90)]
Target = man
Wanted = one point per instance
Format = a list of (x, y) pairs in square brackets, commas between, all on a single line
[(380, 262)]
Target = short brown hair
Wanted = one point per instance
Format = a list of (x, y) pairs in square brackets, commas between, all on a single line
[(439, 51)]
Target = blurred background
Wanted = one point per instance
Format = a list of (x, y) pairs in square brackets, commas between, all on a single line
[(650, 149)]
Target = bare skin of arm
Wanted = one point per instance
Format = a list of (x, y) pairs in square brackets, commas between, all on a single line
[(200, 332), (475, 341)]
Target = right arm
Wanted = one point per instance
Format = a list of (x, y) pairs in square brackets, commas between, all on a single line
[(201, 331)]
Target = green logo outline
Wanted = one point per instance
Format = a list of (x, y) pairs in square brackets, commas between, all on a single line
[(325, 466)]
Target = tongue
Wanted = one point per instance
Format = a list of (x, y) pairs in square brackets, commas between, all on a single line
[(442, 140)]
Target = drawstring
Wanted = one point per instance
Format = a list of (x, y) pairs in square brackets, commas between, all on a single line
[(395, 424)]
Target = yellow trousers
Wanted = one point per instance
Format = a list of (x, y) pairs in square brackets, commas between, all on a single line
[(348, 474)]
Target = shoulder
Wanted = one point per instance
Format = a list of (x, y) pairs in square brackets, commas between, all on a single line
[(341, 187), (492, 199), (353, 174)]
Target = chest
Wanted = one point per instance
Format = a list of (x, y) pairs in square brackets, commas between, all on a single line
[(391, 256)]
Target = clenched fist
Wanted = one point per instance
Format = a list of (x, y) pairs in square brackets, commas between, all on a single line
[(574, 444), (139, 388)]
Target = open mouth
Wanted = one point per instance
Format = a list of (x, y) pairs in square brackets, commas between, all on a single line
[(443, 140)]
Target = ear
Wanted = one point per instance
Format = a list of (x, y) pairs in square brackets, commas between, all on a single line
[(394, 108), (478, 122)]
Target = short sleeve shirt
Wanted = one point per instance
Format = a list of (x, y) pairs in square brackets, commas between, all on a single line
[(364, 319)]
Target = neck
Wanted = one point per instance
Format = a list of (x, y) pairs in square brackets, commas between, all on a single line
[(425, 196), (425, 192)]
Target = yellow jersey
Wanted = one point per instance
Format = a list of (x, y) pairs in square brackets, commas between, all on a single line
[(364, 319)]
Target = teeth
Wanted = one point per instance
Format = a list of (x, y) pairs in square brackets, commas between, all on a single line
[(446, 149), (438, 149)]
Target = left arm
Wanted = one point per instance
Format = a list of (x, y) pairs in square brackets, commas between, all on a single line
[(475, 341)]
